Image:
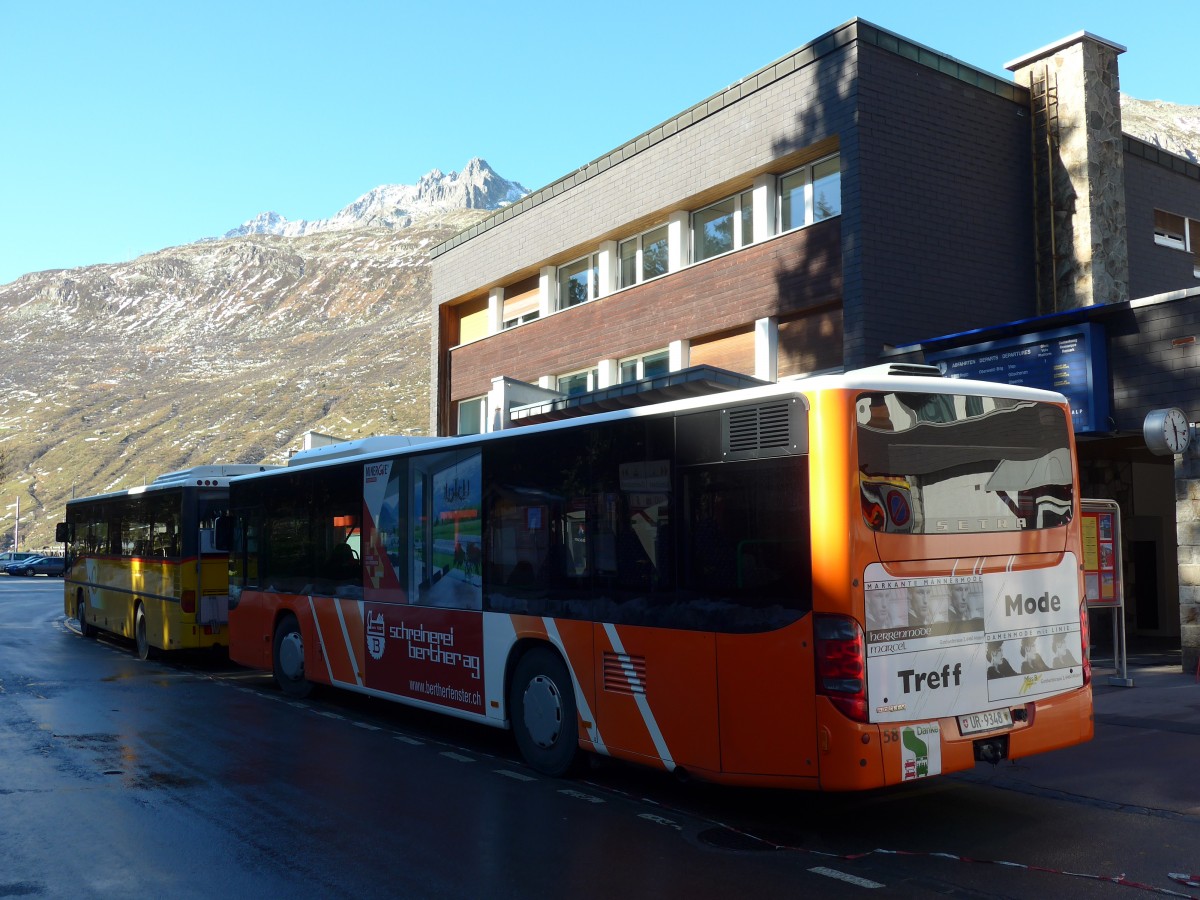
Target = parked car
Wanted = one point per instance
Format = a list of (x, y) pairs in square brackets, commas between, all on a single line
[(13, 556), (38, 565)]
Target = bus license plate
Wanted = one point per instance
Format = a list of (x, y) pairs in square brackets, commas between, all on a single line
[(984, 721)]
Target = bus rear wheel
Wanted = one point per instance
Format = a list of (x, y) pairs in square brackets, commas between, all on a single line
[(144, 650), (287, 657), (85, 629), (541, 707)]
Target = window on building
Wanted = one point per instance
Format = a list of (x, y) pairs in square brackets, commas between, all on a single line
[(1170, 230), (654, 253), (579, 281), (726, 225), (521, 303), (649, 365), (747, 217), (579, 382), (643, 257), (1178, 233), (810, 194), (713, 229), (521, 320), (1194, 245), (471, 414), (827, 189)]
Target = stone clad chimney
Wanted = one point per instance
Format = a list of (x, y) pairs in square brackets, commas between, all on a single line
[(1079, 171)]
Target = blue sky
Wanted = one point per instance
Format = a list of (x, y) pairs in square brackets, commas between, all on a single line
[(131, 126)]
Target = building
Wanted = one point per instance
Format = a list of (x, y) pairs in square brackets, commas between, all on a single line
[(861, 200)]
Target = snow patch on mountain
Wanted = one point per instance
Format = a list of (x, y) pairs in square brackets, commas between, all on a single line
[(477, 186)]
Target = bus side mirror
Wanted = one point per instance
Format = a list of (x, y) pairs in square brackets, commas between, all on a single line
[(223, 534), (62, 533)]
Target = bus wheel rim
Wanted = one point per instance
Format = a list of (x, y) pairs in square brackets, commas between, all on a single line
[(543, 711), (291, 656)]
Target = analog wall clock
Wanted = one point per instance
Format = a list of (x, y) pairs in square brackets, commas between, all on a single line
[(1167, 431)]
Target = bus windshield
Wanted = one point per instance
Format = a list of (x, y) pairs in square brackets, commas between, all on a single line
[(950, 464)]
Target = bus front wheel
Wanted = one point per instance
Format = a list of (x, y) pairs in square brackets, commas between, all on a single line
[(541, 707), (288, 659), (144, 651)]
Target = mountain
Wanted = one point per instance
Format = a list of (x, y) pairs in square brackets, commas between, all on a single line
[(224, 350), (1169, 126), (399, 205)]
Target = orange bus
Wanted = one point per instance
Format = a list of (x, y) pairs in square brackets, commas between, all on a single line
[(141, 562), (838, 583)]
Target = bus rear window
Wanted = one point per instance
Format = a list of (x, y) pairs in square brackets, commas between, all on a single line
[(954, 464)]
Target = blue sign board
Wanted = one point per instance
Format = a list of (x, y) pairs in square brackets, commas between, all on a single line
[(1072, 361)]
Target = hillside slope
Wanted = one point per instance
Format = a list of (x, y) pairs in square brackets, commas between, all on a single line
[(218, 351)]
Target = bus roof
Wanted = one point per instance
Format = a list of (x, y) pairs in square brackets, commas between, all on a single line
[(359, 447), (206, 476), (903, 377), (198, 476)]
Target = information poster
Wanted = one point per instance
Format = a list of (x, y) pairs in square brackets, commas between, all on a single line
[(1101, 528)]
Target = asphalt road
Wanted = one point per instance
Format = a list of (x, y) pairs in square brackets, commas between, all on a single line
[(190, 777)]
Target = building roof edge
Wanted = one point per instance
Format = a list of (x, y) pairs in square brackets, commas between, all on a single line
[(1060, 44), (848, 32)]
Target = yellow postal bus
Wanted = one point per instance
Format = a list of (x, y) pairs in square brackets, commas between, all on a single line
[(141, 563)]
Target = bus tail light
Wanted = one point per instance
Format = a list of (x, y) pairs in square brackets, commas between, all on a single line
[(1085, 638), (187, 603), (841, 664)]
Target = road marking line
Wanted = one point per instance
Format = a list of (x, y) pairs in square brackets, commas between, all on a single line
[(659, 820), (457, 757), (588, 798), (843, 876), (405, 739), (515, 775)]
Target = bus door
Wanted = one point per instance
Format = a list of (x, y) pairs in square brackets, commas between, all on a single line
[(656, 676), (746, 565), (209, 599)]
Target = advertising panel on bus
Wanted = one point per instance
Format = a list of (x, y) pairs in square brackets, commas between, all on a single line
[(945, 646)]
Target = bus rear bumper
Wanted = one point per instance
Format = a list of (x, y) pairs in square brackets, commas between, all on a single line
[(856, 756), (1040, 726)]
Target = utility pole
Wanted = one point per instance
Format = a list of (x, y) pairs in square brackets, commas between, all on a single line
[(17, 525)]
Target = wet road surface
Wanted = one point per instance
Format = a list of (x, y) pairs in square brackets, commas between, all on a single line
[(191, 777)]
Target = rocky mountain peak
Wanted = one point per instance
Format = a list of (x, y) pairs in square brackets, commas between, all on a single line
[(478, 186), (1170, 126)]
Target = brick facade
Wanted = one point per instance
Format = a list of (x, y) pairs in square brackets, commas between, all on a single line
[(709, 298)]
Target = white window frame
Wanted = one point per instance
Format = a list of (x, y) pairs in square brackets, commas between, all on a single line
[(639, 257), (593, 380), (521, 320), (479, 403), (807, 171), (1184, 241), (1163, 239), (639, 363), (737, 221), (591, 269)]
